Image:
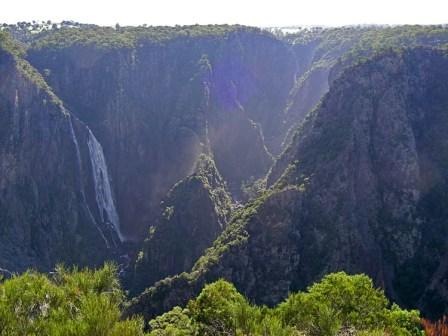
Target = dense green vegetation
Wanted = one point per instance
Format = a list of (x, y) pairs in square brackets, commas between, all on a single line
[(11, 46), (84, 302), (357, 40), (47, 34), (409, 36), (67, 302), (119, 37), (27, 31), (339, 302), (358, 43), (234, 234), (17, 51), (371, 37)]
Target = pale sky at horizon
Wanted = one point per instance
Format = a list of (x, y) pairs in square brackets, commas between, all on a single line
[(255, 13)]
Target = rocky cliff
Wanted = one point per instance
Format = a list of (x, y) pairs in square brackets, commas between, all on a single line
[(357, 190), (323, 54), (156, 105), (192, 216), (158, 97), (51, 208), (382, 164)]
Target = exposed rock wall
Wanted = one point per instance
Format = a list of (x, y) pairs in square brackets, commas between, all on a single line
[(357, 190), (156, 107), (194, 213), (46, 216)]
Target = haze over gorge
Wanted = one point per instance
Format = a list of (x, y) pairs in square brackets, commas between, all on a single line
[(222, 168)]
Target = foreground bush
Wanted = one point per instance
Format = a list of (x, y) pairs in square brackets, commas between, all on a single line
[(339, 304), (66, 303), (87, 303)]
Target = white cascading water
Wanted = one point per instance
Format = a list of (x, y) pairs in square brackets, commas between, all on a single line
[(103, 190), (78, 159)]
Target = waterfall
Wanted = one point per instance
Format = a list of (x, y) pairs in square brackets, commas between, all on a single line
[(78, 160), (103, 191)]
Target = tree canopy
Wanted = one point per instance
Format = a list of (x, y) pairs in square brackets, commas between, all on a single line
[(338, 302)]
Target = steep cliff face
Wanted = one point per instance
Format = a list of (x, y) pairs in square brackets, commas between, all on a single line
[(155, 106), (356, 190), (379, 170), (323, 54), (382, 169), (48, 211), (317, 52), (192, 216)]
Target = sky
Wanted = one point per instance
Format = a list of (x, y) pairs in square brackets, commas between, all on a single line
[(249, 12)]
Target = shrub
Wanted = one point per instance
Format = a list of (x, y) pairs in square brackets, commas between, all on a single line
[(215, 309), (339, 304), (67, 303)]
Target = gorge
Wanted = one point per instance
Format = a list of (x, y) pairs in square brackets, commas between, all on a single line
[(199, 153)]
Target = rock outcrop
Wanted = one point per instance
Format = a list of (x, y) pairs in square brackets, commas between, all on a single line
[(48, 211), (192, 216), (359, 189)]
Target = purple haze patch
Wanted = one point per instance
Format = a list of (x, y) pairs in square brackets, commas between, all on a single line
[(233, 82)]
